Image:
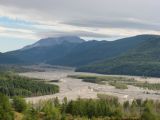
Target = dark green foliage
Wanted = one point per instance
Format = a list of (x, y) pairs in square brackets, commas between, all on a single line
[(31, 113), (104, 108), (51, 111), (143, 60), (125, 66), (9, 59), (45, 110), (92, 79), (148, 113), (19, 104), (6, 111), (96, 108), (91, 51), (14, 85)]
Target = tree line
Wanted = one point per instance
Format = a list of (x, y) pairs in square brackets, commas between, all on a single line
[(14, 85), (104, 108)]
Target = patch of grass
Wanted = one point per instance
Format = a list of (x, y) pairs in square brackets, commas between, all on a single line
[(118, 82), (91, 79), (150, 86), (102, 79), (107, 97), (118, 85)]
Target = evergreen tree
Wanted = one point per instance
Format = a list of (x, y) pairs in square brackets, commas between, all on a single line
[(6, 112), (19, 104)]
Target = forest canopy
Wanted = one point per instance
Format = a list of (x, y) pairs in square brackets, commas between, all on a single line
[(15, 85)]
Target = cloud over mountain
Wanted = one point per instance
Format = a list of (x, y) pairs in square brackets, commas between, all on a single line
[(35, 19)]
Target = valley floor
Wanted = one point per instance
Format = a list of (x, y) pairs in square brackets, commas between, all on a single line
[(73, 88)]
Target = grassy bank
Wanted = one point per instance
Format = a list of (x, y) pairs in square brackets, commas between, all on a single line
[(118, 82)]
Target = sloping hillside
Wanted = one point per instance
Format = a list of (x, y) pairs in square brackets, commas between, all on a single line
[(143, 60), (92, 51), (46, 49), (9, 59), (73, 51)]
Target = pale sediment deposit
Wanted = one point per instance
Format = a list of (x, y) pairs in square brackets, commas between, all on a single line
[(73, 88)]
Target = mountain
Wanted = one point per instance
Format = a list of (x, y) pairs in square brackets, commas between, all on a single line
[(91, 51), (74, 51), (46, 49), (143, 60), (137, 55), (8, 59), (47, 42)]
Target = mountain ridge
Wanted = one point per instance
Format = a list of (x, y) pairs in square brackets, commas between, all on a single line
[(143, 60), (51, 41), (68, 52), (124, 56)]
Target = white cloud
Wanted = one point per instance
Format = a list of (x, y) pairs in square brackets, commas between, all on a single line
[(86, 18), (18, 33)]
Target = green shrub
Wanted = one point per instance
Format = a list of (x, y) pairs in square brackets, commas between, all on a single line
[(19, 104), (6, 112)]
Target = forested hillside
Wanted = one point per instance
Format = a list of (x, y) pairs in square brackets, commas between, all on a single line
[(144, 60), (91, 51), (14, 85), (137, 55), (9, 59), (43, 54), (73, 51)]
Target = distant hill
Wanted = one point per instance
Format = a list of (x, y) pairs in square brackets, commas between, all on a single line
[(143, 60), (92, 51), (137, 55), (9, 59), (47, 42), (46, 49), (73, 51)]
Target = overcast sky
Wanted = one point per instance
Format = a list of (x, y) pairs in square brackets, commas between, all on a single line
[(23, 22)]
